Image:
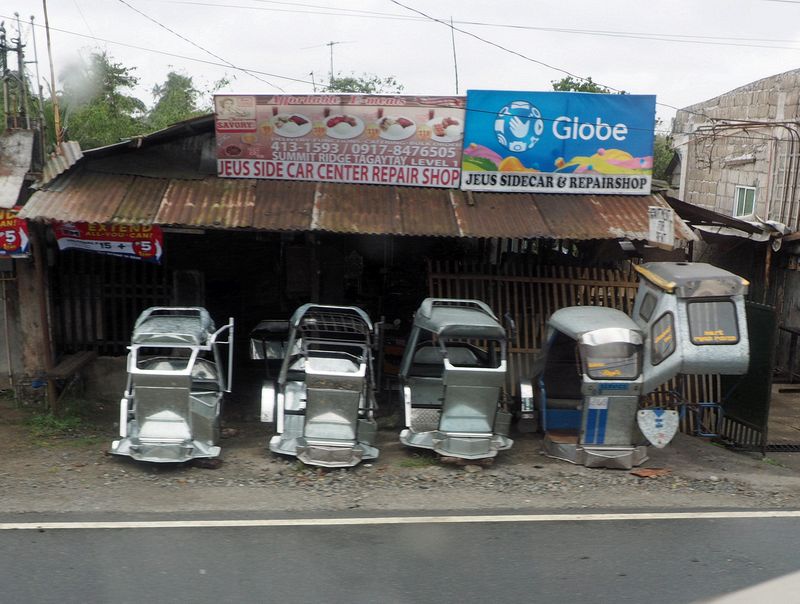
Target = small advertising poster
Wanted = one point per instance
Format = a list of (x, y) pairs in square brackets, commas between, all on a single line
[(662, 227), (558, 142), (13, 234), (138, 242), (368, 139)]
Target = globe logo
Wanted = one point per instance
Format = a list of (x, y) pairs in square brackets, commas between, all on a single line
[(518, 126)]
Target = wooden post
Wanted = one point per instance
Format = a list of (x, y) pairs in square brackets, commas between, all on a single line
[(37, 352)]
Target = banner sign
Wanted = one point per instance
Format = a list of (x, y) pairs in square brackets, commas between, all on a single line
[(139, 242), (558, 142), (13, 234), (662, 227), (366, 139)]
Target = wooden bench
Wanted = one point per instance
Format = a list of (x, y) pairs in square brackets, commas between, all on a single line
[(68, 370), (71, 364)]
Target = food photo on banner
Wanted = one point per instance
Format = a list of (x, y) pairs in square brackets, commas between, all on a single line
[(558, 142), (350, 138), (14, 240), (137, 242)]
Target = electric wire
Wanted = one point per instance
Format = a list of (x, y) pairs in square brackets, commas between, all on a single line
[(184, 38), (705, 134), (655, 36)]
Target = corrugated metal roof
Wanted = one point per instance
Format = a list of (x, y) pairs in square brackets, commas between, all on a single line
[(486, 214), (82, 196), (603, 216), (16, 154), (284, 205), (342, 208), (67, 155), (213, 203)]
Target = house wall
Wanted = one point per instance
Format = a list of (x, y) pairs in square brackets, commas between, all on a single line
[(718, 151)]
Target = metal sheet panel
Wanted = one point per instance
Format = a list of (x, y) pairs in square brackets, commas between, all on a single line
[(509, 215), (427, 212), (341, 208), (283, 205), (16, 153), (81, 197), (580, 217), (141, 202), (347, 208), (213, 202)]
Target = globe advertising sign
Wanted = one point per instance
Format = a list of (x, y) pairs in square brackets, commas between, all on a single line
[(558, 142)]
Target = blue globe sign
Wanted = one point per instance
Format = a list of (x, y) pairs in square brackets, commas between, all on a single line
[(518, 126)]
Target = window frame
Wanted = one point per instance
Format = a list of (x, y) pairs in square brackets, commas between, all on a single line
[(671, 316), (739, 190)]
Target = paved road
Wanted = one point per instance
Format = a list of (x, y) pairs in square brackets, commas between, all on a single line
[(524, 559)]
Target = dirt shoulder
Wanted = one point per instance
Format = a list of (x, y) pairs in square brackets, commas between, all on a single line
[(74, 473)]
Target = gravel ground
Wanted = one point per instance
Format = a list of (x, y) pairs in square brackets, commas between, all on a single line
[(75, 474)]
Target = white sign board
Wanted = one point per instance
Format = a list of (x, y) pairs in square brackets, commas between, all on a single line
[(662, 227), (658, 425)]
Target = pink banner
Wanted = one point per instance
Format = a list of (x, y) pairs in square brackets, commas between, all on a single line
[(368, 139)]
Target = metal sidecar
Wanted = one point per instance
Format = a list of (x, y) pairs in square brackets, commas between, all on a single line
[(323, 401), (178, 372), (452, 375), (598, 363)]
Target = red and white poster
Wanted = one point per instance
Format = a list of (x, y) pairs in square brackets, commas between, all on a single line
[(139, 242), (368, 139), (13, 234)]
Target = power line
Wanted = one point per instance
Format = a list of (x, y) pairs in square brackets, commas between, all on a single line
[(184, 38), (655, 36)]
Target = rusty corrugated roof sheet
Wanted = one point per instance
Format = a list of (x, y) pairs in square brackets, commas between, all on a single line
[(604, 216), (16, 154), (82, 196), (342, 208), (284, 205)]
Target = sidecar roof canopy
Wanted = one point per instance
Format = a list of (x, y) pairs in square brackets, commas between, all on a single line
[(165, 326), (458, 319), (576, 321), (338, 323), (692, 279)]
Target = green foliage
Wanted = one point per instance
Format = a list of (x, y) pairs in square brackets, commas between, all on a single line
[(175, 100), (96, 109), (662, 155), (366, 83), (570, 84), (46, 425), (419, 461)]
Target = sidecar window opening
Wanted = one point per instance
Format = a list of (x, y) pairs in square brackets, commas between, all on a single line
[(160, 359), (470, 352)]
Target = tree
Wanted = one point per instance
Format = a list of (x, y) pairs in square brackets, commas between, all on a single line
[(570, 84), (662, 155), (175, 100), (366, 83), (97, 110)]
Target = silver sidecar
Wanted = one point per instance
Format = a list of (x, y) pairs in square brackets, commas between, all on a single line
[(453, 374), (323, 401), (177, 375), (598, 363)]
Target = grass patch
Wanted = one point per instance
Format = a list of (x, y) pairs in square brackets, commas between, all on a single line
[(773, 462), (47, 425), (418, 461)]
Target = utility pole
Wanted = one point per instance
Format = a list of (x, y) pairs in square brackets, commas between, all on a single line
[(331, 45), (53, 96)]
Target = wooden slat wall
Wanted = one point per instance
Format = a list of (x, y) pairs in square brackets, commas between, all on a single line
[(97, 298), (531, 293)]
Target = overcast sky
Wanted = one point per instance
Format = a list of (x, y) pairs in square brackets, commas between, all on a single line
[(683, 51)]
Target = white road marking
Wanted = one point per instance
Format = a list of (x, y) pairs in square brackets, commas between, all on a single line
[(379, 520)]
